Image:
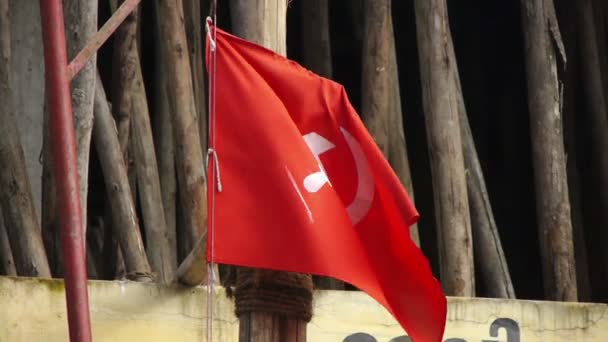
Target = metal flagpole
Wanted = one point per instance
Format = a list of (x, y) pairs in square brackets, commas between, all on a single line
[(212, 36), (65, 167)]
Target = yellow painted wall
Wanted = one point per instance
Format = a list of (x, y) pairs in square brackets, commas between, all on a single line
[(33, 310)]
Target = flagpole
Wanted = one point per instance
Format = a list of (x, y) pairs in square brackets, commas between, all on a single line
[(214, 172), (66, 176)]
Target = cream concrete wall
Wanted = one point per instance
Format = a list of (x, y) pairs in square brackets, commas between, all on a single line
[(33, 310)]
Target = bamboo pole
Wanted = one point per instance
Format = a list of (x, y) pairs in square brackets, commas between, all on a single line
[(445, 149), (16, 196), (189, 157), (196, 52), (122, 98), (148, 184), (488, 251), (552, 202), (121, 111), (165, 147), (113, 167)]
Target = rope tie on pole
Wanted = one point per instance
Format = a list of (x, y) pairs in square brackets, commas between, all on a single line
[(279, 293), (216, 163)]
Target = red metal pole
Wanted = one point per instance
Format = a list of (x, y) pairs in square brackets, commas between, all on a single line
[(64, 161)]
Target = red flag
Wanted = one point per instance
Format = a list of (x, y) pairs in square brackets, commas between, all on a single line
[(305, 188)]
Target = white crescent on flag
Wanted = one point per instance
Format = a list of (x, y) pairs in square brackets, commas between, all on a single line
[(362, 202)]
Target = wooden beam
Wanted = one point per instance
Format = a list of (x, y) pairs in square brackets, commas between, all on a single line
[(488, 251), (264, 22), (189, 157), (445, 149), (163, 258), (126, 228), (16, 198), (541, 35)]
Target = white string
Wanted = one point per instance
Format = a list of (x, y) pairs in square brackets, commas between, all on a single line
[(215, 172), (216, 163), (209, 34)]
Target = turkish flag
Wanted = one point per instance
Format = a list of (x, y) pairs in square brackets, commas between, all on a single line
[(306, 189)]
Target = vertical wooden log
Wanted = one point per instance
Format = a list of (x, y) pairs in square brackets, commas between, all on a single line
[(600, 10), (81, 25), (271, 329), (7, 263), (592, 67), (95, 257), (261, 21), (375, 78), (122, 120), (163, 259), (398, 155), (113, 167), (488, 252), (316, 56), (92, 269), (115, 263), (445, 149), (263, 319), (49, 220), (573, 118), (16, 195), (316, 42), (592, 76), (122, 97), (189, 157), (381, 104), (165, 153), (194, 34), (28, 87), (264, 22), (552, 203), (162, 255)]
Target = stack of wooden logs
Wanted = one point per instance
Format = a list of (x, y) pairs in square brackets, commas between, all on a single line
[(418, 72)]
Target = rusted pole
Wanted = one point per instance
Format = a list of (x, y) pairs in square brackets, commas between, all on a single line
[(65, 167)]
